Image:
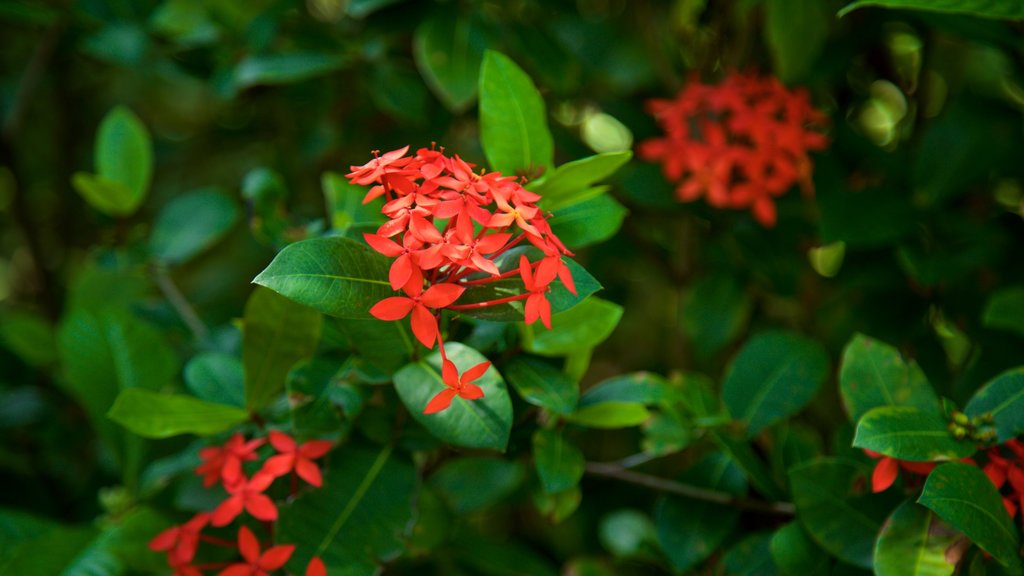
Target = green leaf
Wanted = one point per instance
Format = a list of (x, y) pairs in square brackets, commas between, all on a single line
[(828, 494), (563, 185), (124, 165), (907, 433), (542, 385), (359, 519), (154, 415), (914, 543), (773, 377), (278, 333), (30, 336), (795, 554), (513, 122), (588, 221), (755, 469), (472, 484), (1005, 310), (558, 506), (796, 33), (275, 69), (559, 462), (107, 196), (216, 377), (385, 345), (345, 204), (640, 387), (874, 374), (190, 224), (34, 546), (1003, 398), (483, 423), (690, 530), (583, 326), (336, 276), (610, 415), (985, 8), (752, 556), (449, 51), (963, 496), (713, 313), (625, 532)]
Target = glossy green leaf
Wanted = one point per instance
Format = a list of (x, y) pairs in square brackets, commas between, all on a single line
[(558, 506), (185, 22), (587, 222), (874, 374), (754, 468), (559, 462), (907, 433), (385, 345), (190, 224), (1010, 10), (359, 519), (102, 194), (336, 276), (278, 333), (913, 542), (795, 554), (640, 387), (583, 326), (273, 69), (1003, 398), (216, 377), (155, 415), (1005, 311), (691, 530), (513, 122), (831, 505), (471, 484), (449, 51), (796, 32), (483, 423), (563, 185), (541, 384), (752, 556), (963, 496), (124, 165), (610, 415), (345, 204), (773, 377)]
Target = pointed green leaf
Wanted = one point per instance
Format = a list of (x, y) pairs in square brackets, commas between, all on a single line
[(449, 51), (105, 195), (753, 466), (796, 554), (774, 376), (155, 415), (1003, 398), (559, 462), (752, 556), (641, 387), (583, 326), (1005, 310), (274, 69), (513, 122), (907, 433), (124, 158), (874, 374), (216, 377), (278, 333), (610, 415), (1010, 10), (588, 221), (483, 423), (475, 483), (336, 276), (541, 384), (563, 185), (913, 542), (963, 496), (190, 224)]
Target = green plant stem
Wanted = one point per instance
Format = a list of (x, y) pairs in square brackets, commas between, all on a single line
[(180, 303), (617, 472)]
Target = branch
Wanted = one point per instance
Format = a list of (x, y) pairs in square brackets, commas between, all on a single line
[(180, 303), (696, 492)]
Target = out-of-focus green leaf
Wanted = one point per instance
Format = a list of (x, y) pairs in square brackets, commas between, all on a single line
[(449, 51), (542, 385), (908, 433), (1005, 310), (559, 462), (752, 556), (625, 532), (558, 506), (102, 194), (714, 311), (360, 517), (752, 465), (386, 345), (345, 204), (984, 8), (336, 276), (913, 542), (155, 415), (513, 123), (774, 376), (398, 90), (874, 374), (483, 423), (564, 184), (587, 222), (963, 496), (363, 8), (30, 545), (29, 336), (186, 22), (1003, 398), (216, 377), (190, 224), (796, 34), (488, 557), (795, 554), (278, 333), (583, 326), (124, 165), (471, 484), (640, 387), (272, 69), (610, 415)]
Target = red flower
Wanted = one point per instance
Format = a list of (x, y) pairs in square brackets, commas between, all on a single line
[(456, 385), (296, 458), (247, 495), (225, 462), (257, 564), (180, 542), (424, 325), (537, 304), (316, 567), (887, 470)]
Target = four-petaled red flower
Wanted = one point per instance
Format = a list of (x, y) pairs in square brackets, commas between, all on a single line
[(224, 463), (296, 458), (180, 542), (456, 385), (256, 563), (316, 567), (424, 325), (537, 304), (247, 495)]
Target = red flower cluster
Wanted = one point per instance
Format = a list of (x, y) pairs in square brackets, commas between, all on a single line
[(446, 227), (739, 144), (224, 465)]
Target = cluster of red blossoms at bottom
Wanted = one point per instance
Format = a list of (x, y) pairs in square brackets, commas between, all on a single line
[(225, 465), (447, 226), (1004, 466), (740, 144)]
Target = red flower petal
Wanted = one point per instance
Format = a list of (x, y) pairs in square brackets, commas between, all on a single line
[(227, 511), (315, 448), (441, 295), (400, 271), (393, 308), (424, 326), (282, 442), (279, 465), (449, 373), (165, 540), (471, 392), (385, 246), (236, 570), (309, 472), (475, 372), (261, 507), (260, 482), (276, 557), (440, 402), (248, 545), (316, 567), (885, 474)]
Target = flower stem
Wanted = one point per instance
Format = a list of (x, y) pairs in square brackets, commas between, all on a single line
[(478, 305)]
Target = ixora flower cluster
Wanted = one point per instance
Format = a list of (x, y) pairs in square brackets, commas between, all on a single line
[(740, 144), (446, 227), (1003, 464), (224, 465)]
